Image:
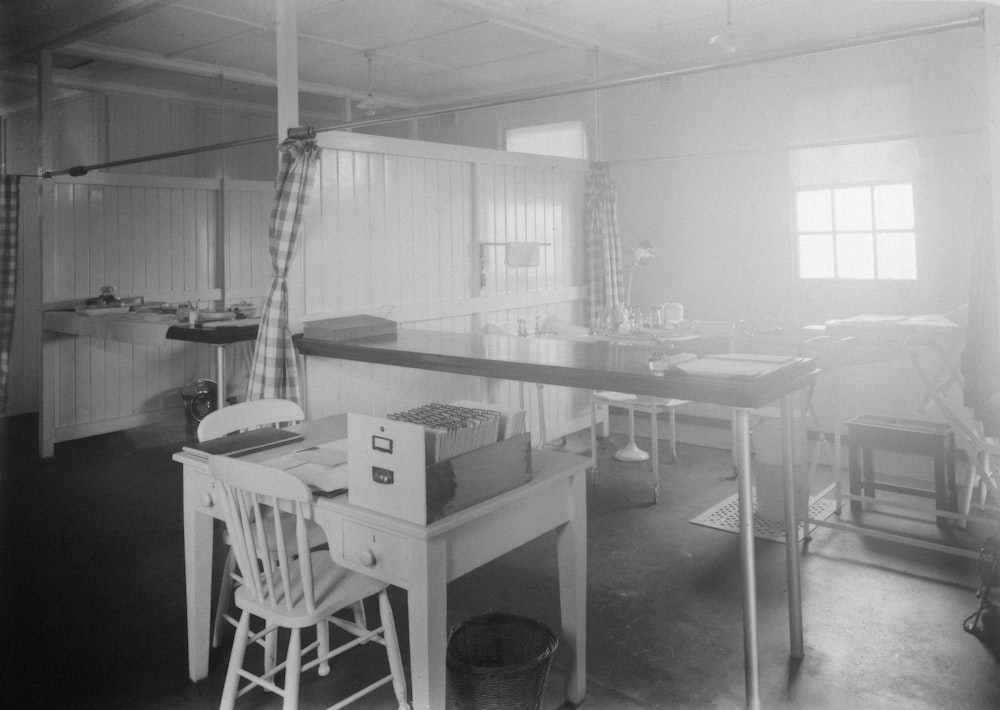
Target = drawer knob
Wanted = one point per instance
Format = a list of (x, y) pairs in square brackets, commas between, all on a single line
[(206, 500), (367, 558)]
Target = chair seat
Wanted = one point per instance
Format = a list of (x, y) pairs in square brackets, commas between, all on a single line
[(335, 588)]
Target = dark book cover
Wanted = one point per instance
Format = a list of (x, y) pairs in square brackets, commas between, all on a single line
[(348, 328), (245, 442)]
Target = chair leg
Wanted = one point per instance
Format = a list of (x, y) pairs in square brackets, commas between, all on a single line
[(293, 670), (360, 618), (654, 430), (271, 651), (323, 639), (225, 598), (593, 441), (235, 663), (392, 650)]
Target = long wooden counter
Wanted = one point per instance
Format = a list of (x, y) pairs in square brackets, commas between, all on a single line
[(571, 363), (625, 368)]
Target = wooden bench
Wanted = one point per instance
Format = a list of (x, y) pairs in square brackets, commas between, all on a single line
[(868, 432)]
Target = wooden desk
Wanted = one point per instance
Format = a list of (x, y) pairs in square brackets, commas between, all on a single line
[(621, 368), (420, 559)]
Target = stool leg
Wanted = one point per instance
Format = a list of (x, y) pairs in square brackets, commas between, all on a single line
[(631, 453), (868, 471), (854, 468), (543, 435), (655, 444), (673, 434), (942, 498)]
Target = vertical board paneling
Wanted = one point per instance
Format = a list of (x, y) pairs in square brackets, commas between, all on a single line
[(146, 237), (404, 230)]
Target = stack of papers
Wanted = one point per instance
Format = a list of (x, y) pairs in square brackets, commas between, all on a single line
[(452, 430), (735, 365)]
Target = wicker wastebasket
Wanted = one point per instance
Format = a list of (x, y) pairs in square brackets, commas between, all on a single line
[(499, 662)]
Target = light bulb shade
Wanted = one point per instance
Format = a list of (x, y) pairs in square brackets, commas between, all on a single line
[(643, 253)]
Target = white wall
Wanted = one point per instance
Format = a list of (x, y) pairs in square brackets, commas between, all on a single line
[(703, 172)]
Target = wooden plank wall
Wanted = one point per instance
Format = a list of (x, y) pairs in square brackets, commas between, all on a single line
[(155, 237), (395, 228)]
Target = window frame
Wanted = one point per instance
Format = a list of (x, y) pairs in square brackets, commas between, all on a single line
[(505, 131), (875, 231)]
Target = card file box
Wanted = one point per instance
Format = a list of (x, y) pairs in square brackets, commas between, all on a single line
[(389, 470)]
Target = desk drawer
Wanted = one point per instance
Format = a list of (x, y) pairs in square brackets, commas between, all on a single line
[(384, 554)]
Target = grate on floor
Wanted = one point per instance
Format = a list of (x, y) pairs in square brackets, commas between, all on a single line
[(725, 516)]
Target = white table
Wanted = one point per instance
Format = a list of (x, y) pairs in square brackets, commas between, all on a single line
[(420, 559)]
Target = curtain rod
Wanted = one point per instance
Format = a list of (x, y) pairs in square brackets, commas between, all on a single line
[(552, 92)]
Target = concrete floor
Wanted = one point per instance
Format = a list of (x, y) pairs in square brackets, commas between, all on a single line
[(92, 595)]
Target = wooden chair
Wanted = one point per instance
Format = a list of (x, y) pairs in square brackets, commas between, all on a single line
[(238, 417), (631, 452), (291, 586)]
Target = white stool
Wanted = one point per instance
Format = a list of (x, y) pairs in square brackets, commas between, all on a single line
[(631, 452)]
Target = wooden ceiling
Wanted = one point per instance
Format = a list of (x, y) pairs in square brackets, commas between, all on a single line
[(425, 53)]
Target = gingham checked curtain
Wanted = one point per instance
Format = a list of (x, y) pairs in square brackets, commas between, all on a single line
[(981, 358), (8, 275), (604, 250), (273, 372)]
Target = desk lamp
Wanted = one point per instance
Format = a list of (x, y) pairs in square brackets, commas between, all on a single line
[(642, 255)]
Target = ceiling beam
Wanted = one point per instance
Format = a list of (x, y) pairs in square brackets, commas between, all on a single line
[(561, 34), (203, 69), (34, 26), (72, 86)]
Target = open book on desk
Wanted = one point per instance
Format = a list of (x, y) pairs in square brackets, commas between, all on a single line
[(322, 467)]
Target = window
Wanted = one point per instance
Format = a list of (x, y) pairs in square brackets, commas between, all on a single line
[(857, 232), (564, 140)]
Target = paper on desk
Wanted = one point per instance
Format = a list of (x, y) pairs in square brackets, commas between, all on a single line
[(321, 467)]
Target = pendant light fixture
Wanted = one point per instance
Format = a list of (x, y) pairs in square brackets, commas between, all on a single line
[(727, 39), (369, 105)]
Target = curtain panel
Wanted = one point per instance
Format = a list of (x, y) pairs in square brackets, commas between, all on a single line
[(9, 194), (274, 371), (605, 282)]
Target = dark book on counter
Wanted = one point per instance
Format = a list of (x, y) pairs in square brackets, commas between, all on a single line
[(244, 443), (348, 328)]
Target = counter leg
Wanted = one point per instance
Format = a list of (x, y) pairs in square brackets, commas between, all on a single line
[(49, 392), (198, 543), (427, 602), (744, 487), (220, 375), (791, 531), (571, 545)]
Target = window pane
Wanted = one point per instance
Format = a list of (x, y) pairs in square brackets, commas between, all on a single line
[(813, 210), (852, 209), (816, 256), (567, 140), (894, 207), (855, 257), (897, 255)]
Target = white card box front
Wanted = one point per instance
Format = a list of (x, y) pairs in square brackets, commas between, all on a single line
[(387, 471)]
